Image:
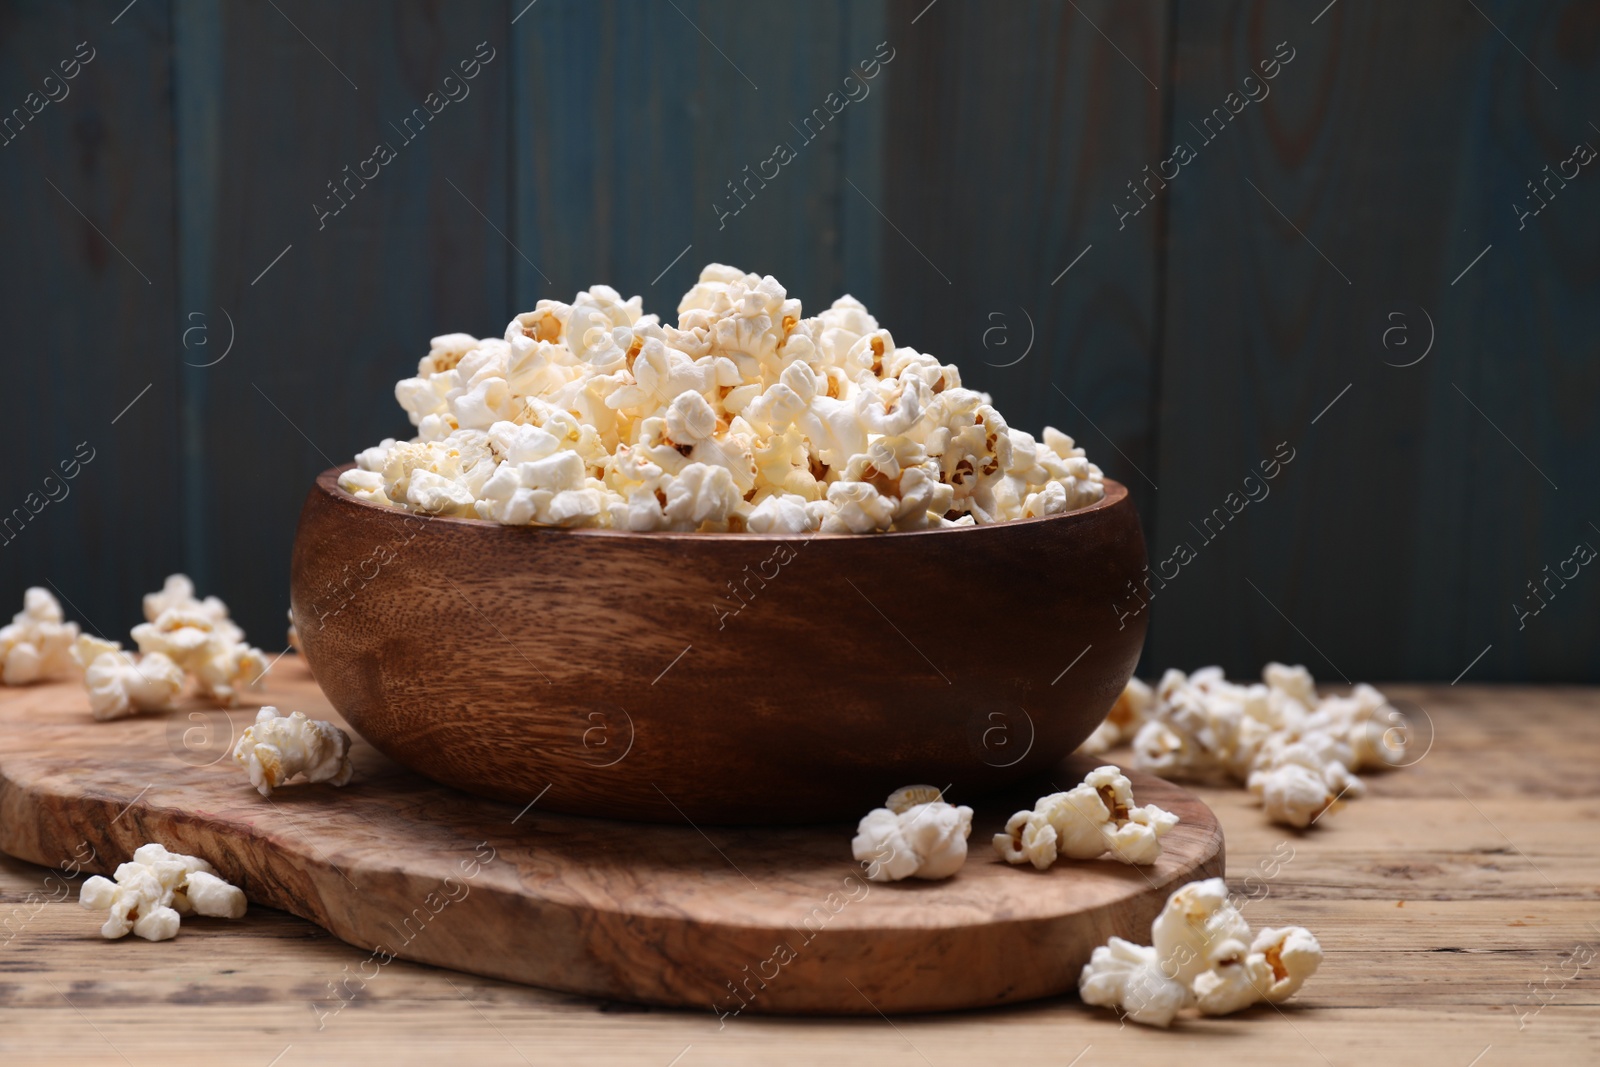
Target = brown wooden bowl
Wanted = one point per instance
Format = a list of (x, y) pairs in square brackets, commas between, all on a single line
[(720, 678)]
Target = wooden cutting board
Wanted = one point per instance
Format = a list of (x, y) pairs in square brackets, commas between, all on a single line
[(719, 919)]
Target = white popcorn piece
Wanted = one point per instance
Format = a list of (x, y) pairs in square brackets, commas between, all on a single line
[(913, 836), (1294, 749), (1123, 721), (278, 747), (1136, 839), (1232, 982), (200, 637), (178, 592), (1128, 978), (1106, 736), (364, 485), (37, 644), (1291, 955), (210, 896), (1086, 822), (1272, 968), (227, 671), (1027, 840), (1374, 731), (819, 424), (779, 513), (119, 685), (1298, 781), (1294, 682), (151, 892), (1197, 918), (1202, 955)]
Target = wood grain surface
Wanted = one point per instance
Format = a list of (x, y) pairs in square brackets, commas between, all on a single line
[(1447, 900), (756, 920), (1344, 211), (407, 250), (89, 181), (729, 678)]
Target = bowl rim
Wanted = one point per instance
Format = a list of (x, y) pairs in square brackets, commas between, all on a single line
[(328, 482)]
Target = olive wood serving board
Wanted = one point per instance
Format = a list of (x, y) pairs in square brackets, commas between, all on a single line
[(745, 919)]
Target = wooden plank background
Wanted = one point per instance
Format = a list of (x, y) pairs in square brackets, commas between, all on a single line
[(975, 198)]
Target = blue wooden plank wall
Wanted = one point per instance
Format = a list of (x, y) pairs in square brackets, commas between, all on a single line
[(1210, 239)]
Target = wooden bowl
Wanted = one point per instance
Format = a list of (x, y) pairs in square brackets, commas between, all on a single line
[(719, 678)]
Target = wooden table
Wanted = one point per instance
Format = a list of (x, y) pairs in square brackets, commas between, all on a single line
[(1459, 904)]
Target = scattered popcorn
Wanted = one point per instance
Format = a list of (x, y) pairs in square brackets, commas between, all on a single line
[(36, 644), (1291, 954), (152, 891), (1293, 749), (743, 416), (135, 901), (916, 835), (1366, 723), (1298, 781), (119, 686), (199, 636), (1196, 919), (1128, 979), (1203, 955), (178, 592), (1122, 721), (1084, 823), (278, 747)]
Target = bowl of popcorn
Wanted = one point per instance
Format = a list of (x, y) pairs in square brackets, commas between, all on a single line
[(753, 567)]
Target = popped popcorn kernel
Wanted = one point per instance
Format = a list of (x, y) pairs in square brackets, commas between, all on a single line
[(915, 835), (1203, 955), (37, 644), (1084, 823), (201, 638), (149, 894), (278, 747), (1293, 749)]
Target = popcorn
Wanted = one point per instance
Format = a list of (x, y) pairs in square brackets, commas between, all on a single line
[(1196, 918), (278, 747), (118, 686), (1294, 750), (745, 415), (1084, 823), (1203, 955), (1366, 723), (136, 901), (178, 592), (1291, 955), (37, 644), (907, 797), (210, 896), (915, 835), (1298, 781), (201, 639), (1128, 979), (1123, 721), (151, 893), (1231, 983)]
